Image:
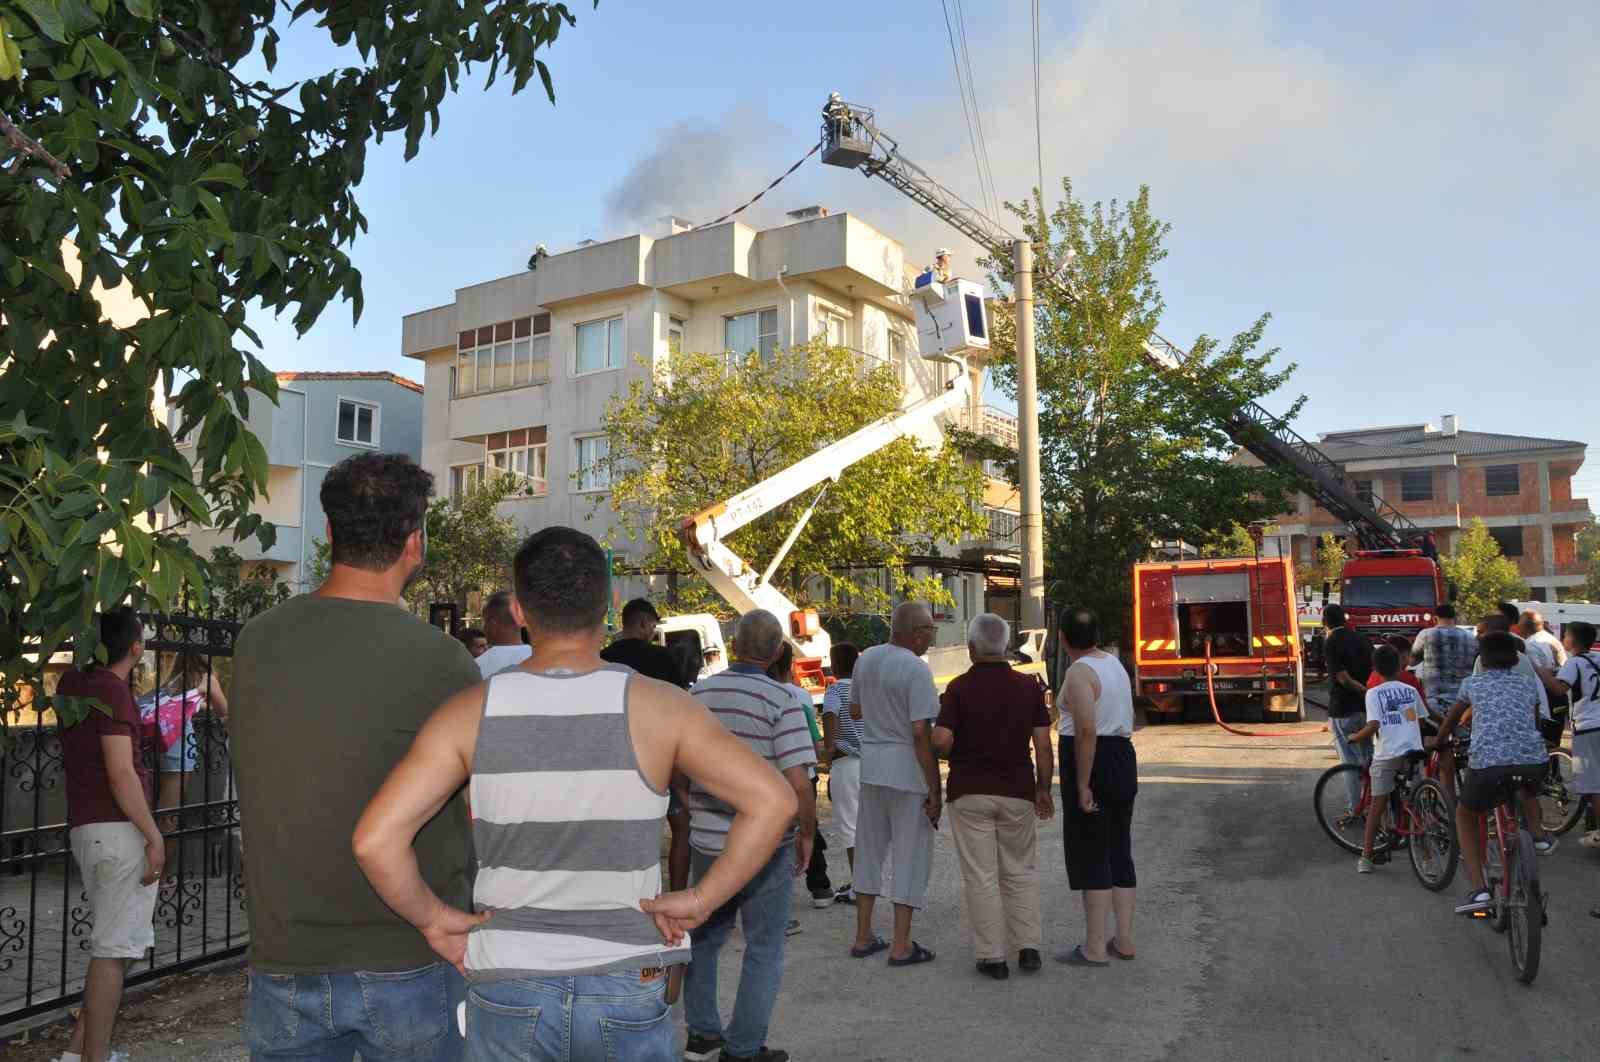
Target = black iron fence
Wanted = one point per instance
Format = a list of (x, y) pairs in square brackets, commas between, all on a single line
[(45, 921)]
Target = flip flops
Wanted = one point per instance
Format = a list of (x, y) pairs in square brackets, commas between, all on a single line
[(872, 947), (1117, 953), (1076, 957), (918, 956)]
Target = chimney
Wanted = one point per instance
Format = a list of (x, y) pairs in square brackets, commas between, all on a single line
[(672, 224), (1449, 426), (809, 213)]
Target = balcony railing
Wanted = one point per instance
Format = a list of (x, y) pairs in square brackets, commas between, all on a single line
[(992, 423)]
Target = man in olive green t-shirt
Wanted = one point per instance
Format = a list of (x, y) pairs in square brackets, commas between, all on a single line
[(328, 691)]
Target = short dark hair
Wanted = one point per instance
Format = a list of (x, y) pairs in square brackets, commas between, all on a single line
[(1445, 611), (1080, 627), (1498, 650), (1386, 661), (1511, 612), (469, 633), (120, 630), (782, 667), (498, 608), (1496, 623), (637, 606), (374, 502), (843, 657), (562, 580), (1333, 616), (1583, 634), (1401, 643)]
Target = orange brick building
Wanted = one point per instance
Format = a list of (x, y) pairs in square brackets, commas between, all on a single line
[(1442, 477)]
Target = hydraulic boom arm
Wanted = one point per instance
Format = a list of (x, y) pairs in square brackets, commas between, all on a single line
[(851, 139)]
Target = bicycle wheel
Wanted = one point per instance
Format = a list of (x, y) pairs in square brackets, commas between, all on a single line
[(1560, 806), (1525, 911), (1433, 846), (1344, 824), (1493, 874)]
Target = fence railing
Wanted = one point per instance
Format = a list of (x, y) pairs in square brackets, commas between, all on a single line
[(45, 921)]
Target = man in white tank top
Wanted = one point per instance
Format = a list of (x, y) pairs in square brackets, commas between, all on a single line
[(1099, 779), (570, 760)]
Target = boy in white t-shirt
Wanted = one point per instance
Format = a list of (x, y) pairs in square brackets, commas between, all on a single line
[(1393, 709)]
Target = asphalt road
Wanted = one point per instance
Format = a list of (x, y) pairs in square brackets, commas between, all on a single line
[(1256, 939)]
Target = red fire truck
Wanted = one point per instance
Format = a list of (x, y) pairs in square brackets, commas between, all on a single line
[(1391, 591), (1243, 610)]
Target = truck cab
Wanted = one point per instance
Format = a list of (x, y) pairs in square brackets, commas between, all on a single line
[(1391, 591)]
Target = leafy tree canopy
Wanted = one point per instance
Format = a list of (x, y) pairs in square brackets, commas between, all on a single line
[(705, 427), (151, 136), (1482, 576)]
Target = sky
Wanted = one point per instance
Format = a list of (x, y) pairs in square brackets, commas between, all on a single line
[(1410, 189)]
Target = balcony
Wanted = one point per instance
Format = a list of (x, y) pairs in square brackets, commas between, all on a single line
[(991, 423)]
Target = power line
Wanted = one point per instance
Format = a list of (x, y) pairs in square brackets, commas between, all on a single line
[(961, 86), (1038, 121), (977, 112)]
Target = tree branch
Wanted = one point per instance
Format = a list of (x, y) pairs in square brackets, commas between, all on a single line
[(28, 146)]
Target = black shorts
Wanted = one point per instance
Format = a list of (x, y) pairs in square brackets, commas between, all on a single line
[(1485, 787), (1099, 846)]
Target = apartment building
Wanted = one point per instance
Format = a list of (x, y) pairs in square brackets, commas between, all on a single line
[(320, 419), (518, 370), (1442, 477)]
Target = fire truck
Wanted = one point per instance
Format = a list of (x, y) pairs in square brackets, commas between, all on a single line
[(1391, 591), (1235, 616)]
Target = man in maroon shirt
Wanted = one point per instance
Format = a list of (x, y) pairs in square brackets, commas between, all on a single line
[(987, 719), (115, 841)]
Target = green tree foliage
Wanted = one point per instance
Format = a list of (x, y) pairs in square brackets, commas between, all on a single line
[(1482, 577), (1235, 541), (704, 428), (1589, 556), (1129, 455), (470, 546), (233, 591), (152, 136), (1331, 557)]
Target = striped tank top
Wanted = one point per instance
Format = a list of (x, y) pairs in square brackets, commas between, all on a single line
[(567, 830)]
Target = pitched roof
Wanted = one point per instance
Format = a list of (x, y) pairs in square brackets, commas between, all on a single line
[(394, 378), (1419, 440)]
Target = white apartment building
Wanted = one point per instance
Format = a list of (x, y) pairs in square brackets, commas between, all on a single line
[(518, 371)]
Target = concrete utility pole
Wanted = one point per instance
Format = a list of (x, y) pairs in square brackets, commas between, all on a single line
[(1032, 610)]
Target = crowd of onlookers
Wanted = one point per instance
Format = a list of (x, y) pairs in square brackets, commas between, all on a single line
[(453, 846)]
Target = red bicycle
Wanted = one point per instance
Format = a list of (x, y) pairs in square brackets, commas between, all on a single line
[(1420, 818), (1518, 906)]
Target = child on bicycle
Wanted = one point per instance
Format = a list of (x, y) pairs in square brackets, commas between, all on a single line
[(1505, 742), (1393, 709)]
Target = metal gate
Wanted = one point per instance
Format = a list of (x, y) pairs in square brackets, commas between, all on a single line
[(44, 911)]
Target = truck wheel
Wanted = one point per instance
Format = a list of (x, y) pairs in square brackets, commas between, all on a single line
[(1153, 717)]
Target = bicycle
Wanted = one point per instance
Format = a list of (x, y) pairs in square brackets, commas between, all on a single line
[(1560, 805), (1420, 818), (1518, 906)]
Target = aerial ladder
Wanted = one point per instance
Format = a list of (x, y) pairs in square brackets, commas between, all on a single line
[(852, 140)]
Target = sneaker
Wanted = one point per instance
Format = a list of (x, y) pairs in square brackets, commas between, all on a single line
[(847, 895), (790, 930), (702, 1048), (1363, 865), (1478, 901), (1545, 845), (821, 898), (766, 1054), (1590, 839)]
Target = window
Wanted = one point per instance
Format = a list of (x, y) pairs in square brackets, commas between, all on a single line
[(521, 454), (1416, 486), (1389, 591), (599, 346), (1004, 525), (1509, 538), (509, 354), (675, 332), (837, 330), (358, 423), (897, 348), (753, 331), (588, 451), (975, 327), (1502, 481), (464, 479), (1364, 490)]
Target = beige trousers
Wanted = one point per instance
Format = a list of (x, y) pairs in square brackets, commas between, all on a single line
[(997, 843)]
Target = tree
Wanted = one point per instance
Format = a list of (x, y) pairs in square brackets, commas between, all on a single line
[(1331, 557), (1588, 542), (234, 592), (1234, 541), (1128, 455), (470, 546), (705, 427), (138, 131), (1482, 577)]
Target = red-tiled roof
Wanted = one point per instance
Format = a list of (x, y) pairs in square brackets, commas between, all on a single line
[(394, 378)]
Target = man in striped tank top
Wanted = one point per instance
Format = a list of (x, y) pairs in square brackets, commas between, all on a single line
[(569, 760)]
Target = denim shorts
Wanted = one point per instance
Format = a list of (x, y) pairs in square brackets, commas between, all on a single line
[(617, 1017), (387, 1016)]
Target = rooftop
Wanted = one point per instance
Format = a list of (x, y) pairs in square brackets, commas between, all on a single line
[(390, 377), (1419, 440)]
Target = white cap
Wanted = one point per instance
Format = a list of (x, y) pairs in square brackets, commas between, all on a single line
[(942, 252)]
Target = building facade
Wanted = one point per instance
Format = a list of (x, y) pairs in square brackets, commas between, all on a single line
[(1443, 477), (320, 419), (519, 370)]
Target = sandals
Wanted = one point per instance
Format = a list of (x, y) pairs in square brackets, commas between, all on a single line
[(872, 947), (1117, 953), (918, 956), (1076, 957)]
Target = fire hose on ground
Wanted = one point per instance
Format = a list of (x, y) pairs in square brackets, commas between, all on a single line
[(1216, 713)]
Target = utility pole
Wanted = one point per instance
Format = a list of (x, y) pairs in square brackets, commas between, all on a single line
[(1032, 610)]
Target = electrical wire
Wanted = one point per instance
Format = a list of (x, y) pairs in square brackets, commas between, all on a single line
[(977, 112), (1038, 121), (961, 86), (776, 181)]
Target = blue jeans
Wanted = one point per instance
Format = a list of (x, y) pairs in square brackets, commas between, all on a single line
[(618, 1017), (406, 1016), (763, 907), (1360, 755)]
